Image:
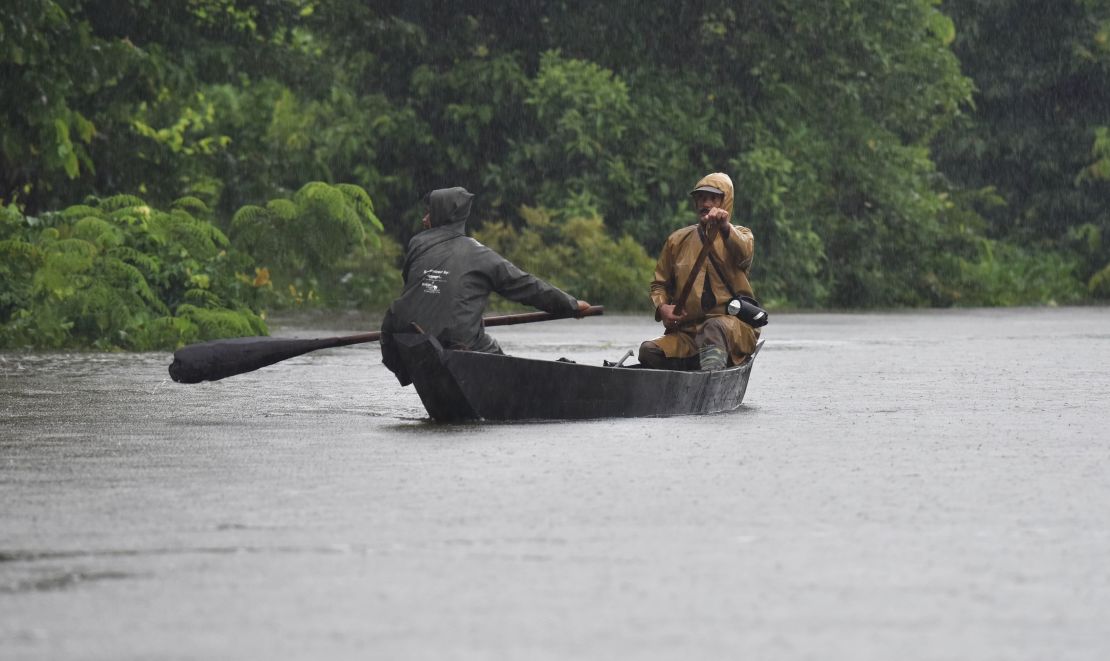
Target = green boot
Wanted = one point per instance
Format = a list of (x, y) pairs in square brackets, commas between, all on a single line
[(712, 357)]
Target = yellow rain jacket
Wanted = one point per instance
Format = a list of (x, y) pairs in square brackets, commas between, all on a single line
[(734, 254)]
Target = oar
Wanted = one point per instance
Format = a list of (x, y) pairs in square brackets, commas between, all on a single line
[(680, 302), (219, 359)]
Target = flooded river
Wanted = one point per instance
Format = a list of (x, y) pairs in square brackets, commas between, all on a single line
[(920, 485)]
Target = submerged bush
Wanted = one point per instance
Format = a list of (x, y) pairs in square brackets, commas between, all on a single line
[(1006, 275), (323, 247), (117, 274)]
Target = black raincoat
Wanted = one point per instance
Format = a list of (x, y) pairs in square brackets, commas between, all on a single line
[(448, 278)]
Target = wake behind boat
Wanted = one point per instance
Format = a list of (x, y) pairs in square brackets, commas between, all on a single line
[(466, 385)]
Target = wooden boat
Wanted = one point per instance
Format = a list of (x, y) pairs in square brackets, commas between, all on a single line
[(466, 385)]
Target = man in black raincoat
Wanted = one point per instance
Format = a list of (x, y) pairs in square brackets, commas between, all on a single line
[(448, 278)]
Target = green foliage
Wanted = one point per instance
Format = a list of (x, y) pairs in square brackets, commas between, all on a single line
[(822, 113), (323, 247), (47, 60), (117, 274), (1099, 284), (99, 99), (1099, 170), (790, 254), (577, 255), (1005, 274), (1042, 73), (848, 128)]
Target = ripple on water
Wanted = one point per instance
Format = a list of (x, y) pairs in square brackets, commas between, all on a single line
[(60, 580)]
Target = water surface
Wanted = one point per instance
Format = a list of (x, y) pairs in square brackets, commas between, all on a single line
[(921, 485)]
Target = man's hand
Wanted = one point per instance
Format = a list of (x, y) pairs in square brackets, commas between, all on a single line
[(719, 217), (667, 315), (582, 307)]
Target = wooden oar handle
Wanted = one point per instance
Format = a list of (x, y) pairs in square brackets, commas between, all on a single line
[(529, 317), (343, 341), (502, 320)]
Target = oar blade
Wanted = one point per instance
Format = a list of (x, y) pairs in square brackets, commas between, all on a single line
[(219, 359)]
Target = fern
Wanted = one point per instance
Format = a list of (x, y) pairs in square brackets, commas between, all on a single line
[(255, 230), (79, 211), (215, 237), (167, 331), (150, 265), (126, 277), (97, 311), (10, 219), (248, 216), (17, 258), (98, 232), (188, 234), (191, 205), (133, 216), (220, 323), (325, 239), (1099, 284), (105, 274), (78, 248), (362, 204), (284, 211), (13, 249), (203, 298), (117, 202), (332, 226)]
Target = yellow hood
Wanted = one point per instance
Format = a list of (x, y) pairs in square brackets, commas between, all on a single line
[(720, 181)]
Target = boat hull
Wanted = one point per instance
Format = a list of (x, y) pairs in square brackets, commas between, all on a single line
[(467, 385)]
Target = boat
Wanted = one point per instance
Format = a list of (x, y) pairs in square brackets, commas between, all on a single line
[(458, 386)]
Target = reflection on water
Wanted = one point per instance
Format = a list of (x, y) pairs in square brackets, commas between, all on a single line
[(912, 485)]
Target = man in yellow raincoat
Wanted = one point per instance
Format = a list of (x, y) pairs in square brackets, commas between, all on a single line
[(699, 333)]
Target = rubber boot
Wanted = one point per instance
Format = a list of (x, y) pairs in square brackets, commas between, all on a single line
[(711, 357)]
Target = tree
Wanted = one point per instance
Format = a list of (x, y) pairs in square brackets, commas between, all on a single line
[(108, 97), (1038, 137)]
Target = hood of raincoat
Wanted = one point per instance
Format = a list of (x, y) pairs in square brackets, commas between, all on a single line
[(448, 206), (448, 209), (721, 182)]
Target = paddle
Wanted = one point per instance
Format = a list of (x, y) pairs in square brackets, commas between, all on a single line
[(680, 302), (219, 359)]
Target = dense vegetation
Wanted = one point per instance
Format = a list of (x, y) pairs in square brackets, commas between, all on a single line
[(1033, 159), (886, 152), (117, 273)]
